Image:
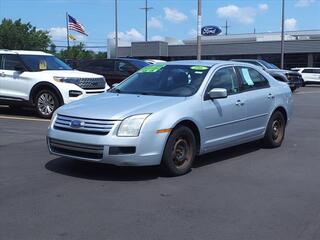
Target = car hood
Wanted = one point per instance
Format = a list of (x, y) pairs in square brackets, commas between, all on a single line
[(70, 73), (282, 71), (117, 106)]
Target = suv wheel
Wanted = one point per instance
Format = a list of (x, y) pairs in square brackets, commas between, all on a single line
[(46, 103), (179, 152), (275, 130)]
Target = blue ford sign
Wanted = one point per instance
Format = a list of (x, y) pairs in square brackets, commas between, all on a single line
[(210, 31)]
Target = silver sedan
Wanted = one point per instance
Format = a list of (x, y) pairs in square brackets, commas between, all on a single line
[(167, 114)]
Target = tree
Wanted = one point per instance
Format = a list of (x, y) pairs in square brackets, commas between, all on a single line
[(24, 36), (76, 52)]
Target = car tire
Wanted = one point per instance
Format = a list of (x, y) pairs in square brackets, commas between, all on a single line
[(275, 130), (179, 152), (46, 103)]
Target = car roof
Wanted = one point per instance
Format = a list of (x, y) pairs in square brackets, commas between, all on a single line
[(207, 63), (249, 60), (23, 52)]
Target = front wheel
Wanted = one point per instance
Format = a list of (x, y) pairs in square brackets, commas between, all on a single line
[(179, 152), (275, 130), (46, 103)]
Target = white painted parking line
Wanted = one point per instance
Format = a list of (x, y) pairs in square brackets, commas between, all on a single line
[(307, 92), (23, 118)]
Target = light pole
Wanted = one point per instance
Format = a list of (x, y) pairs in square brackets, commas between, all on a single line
[(282, 36), (199, 30), (146, 8), (116, 27)]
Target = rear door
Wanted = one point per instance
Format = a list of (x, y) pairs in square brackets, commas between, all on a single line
[(311, 75), (259, 99), (14, 84), (223, 118), (308, 75)]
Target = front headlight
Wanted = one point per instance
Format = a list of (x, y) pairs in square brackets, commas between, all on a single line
[(67, 80), (130, 127), (53, 119)]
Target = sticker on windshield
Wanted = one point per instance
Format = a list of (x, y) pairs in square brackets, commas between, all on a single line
[(151, 68), (246, 76), (42, 65), (199, 68)]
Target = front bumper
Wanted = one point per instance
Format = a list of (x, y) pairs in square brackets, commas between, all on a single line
[(148, 147)]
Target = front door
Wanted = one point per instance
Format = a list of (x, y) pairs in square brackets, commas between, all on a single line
[(223, 118)]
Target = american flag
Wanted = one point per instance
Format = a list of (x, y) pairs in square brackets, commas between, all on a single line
[(74, 25)]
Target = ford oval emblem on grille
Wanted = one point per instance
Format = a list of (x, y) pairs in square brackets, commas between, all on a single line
[(76, 124)]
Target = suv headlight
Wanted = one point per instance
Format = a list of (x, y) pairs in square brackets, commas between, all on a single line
[(130, 127), (67, 80)]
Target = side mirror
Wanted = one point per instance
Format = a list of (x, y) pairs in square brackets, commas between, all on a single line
[(217, 93), (19, 68)]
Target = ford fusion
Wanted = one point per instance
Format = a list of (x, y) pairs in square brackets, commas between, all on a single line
[(167, 114)]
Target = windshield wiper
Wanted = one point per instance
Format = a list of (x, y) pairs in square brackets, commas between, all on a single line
[(115, 90)]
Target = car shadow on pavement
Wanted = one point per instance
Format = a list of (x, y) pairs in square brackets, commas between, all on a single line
[(106, 172), (226, 154), (100, 171), (18, 111)]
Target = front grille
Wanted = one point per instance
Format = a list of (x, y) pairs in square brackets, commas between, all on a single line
[(83, 125), (92, 83), (296, 78), (76, 149)]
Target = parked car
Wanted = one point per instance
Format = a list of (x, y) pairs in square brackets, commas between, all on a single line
[(293, 79), (167, 114), (43, 81), (114, 70), (309, 74)]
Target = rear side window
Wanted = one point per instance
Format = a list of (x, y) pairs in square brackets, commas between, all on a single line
[(252, 79), (125, 67), (10, 62), (316, 71), (307, 71)]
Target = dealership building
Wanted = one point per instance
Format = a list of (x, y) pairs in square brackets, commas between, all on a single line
[(302, 48)]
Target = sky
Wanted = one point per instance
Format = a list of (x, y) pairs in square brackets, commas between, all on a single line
[(167, 18)]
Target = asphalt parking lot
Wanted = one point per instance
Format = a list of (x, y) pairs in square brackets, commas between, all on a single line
[(245, 192)]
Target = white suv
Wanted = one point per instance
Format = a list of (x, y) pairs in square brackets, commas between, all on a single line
[(309, 74), (43, 81)]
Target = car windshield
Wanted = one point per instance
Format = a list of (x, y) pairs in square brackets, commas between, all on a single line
[(268, 65), (164, 80), (44, 62)]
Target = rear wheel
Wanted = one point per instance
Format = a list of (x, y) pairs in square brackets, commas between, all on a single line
[(46, 103), (275, 130), (179, 152)]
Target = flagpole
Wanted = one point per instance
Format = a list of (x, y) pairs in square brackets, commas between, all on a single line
[(67, 22)]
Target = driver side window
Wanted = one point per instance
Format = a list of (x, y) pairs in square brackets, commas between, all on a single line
[(225, 78)]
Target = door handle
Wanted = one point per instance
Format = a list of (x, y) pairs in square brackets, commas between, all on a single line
[(239, 103), (2, 74), (270, 96)]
